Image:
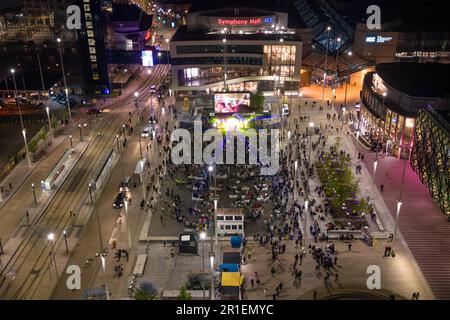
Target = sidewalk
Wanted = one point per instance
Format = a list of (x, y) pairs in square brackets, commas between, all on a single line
[(369, 254)]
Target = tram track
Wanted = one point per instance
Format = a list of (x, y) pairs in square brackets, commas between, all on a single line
[(54, 218)]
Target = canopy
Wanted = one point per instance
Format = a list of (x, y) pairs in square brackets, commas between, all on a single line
[(232, 279)]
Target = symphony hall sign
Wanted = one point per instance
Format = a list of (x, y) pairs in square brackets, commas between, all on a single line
[(243, 21)]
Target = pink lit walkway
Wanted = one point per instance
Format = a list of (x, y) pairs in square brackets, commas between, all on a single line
[(422, 223)]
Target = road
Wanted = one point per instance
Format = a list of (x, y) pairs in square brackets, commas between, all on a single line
[(32, 259), (88, 246)]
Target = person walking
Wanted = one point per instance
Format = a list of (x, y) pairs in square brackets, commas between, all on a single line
[(350, 246), (382, 187), (252, 282)]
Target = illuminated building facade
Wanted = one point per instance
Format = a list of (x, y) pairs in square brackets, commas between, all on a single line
[(392, 97), (431, 154), (92, 47), (237, 48)]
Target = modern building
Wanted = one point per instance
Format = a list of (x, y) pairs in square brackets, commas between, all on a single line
[(431, 154), (392, 97), (235, 48), (396, 41), (31, 26)]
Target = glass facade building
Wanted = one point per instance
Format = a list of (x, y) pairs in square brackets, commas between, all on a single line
[(431, 155)]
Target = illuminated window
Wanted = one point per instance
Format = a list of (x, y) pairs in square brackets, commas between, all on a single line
[(191, 73), (129, 44), (92, 50)]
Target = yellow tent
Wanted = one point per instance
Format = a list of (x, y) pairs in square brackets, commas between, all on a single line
[(232, 279)]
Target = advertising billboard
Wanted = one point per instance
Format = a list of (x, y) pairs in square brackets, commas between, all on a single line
[(147, 58), (231, 102)]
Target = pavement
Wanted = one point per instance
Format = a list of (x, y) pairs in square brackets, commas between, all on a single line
[(399, 276)]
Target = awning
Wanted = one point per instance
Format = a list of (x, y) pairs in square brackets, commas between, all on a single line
[(232, 279)]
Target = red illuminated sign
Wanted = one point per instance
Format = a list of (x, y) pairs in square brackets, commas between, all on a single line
[(239, 22)]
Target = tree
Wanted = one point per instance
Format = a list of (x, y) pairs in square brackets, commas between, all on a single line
[(146, 291), (257, 100), (184, 294)]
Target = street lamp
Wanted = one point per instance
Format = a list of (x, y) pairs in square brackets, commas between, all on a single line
[(326, 60), (224, 40), (34, 193), (49, 122), (349, 54), (81, 133), (24, 133), (13, 71), (203, 237), (71, 142), (65, 241), (102, 257), (295, 179), (400, 199), (50, 238), (64, 77)]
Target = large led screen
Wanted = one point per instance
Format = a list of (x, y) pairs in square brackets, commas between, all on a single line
[(147, 58), (231, 102)]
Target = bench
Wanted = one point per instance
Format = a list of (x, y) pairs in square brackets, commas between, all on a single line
[(140, 265)]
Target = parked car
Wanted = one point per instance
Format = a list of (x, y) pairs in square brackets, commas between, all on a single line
[(153, 89), (146, 132), (119, 201)]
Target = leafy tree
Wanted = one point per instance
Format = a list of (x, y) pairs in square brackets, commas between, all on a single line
[(32, 145), (146, 291), (54, 122), (257, 100), (42, 134), (184, 294)]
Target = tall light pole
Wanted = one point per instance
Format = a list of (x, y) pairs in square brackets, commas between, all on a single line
[(24, 133), (400, 198), (311, 126), (378, 141), (81, 133), (13, 71), (34, 193), (71, 142), (203, 237), (295, 179), (64, 78), (65, 241), (326, 60), (100, 238), (49, 122), (212, 276), (337, 72), (42, 77), (102, 257), (51, 238), (349, 54), (224, 40)]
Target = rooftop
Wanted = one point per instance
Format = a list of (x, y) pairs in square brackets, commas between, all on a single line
[(182, 34), (417, 79), (287, 6)]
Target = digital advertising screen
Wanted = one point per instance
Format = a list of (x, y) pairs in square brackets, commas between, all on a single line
[(231, 102), (147, 58)]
